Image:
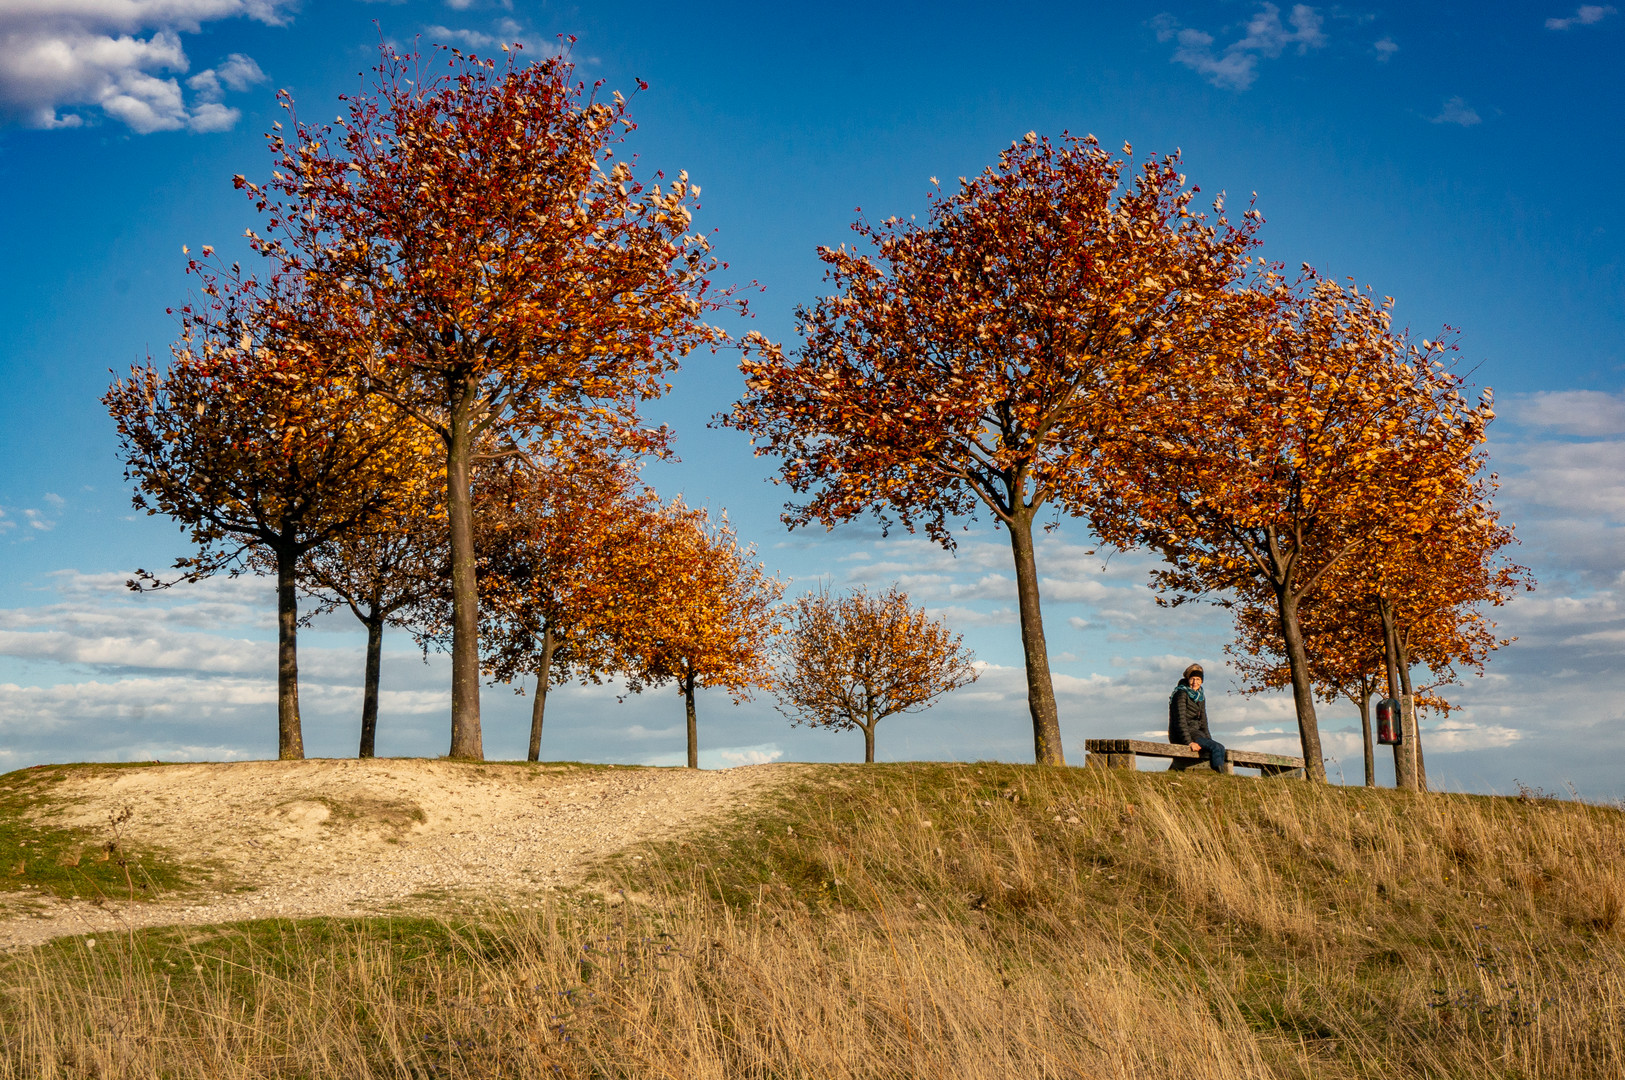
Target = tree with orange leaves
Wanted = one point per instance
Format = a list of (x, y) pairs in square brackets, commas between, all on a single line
[(692, 607), (475, 255), (1429, 590), (960, 367), (1302, 433), (853, 660), (547, 572), (256, 447)]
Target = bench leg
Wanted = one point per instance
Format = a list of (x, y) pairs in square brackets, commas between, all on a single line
[(1094, 761), (1122, 761)]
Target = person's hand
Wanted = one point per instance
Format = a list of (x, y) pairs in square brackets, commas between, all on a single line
[(1196, 746)]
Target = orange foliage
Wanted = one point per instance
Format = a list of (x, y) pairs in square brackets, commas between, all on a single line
[(386, 570), (547, 575), (856, 659), (691, 606)]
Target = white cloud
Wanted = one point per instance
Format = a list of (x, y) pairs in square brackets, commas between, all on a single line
[(186, 652), (1584, 478), (1457, 111), (238, 73), (60, 58), (1264, 37), (726, 757), (1385, 50), (32, 708), (1570, 412), (1449, 736), (1584, 15), (506, 32)]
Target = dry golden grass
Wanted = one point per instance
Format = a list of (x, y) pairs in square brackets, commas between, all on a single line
[(928, 921)]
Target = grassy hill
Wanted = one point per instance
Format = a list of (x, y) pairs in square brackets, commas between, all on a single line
[(926, 921)]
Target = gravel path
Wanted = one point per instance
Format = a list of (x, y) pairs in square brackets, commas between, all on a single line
[(310, 838)]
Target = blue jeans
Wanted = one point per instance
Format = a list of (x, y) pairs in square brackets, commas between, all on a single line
[(1213, 748)]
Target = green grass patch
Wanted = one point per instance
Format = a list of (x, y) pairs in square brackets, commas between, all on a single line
[(92, 863)]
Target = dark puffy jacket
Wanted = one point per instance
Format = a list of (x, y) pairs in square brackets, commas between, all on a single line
[(1187, 717)]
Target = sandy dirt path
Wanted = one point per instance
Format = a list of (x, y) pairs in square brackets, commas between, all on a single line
[(341, 837)]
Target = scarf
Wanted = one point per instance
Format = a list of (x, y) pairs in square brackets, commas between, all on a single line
[(1194, 695)]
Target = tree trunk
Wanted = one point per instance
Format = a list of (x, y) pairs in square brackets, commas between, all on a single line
[(1421, 764), (1404, 762), (1040, 688), (693, 727), (868, 743), (1365, 734), (1413, 721), (369, 692), (465, 600), (1303, 691), (1413, 741), (290, 740), (544, 676)]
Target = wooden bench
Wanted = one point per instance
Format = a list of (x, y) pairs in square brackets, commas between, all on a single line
[(1125, 754)]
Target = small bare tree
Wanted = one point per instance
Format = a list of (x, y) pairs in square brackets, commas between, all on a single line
[(856, 659)]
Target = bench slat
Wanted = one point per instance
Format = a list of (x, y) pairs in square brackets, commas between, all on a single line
[(1174, 750)]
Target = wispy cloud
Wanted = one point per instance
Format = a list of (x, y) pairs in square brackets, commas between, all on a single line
[(1570, 412), (1457, 111), (1385, 50), (1584, 15), (1265, 36), (726, 757), (65, 63), (505, 32)]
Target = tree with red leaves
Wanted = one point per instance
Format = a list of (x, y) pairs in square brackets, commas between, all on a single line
[(959, 367), (476, 254), (259, 449)]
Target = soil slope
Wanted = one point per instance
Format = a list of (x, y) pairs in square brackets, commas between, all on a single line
[(344, 837)]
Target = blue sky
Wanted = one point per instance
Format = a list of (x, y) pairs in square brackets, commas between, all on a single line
[(1466, 160)]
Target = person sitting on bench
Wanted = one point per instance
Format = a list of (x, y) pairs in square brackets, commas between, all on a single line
[(1187, 718)]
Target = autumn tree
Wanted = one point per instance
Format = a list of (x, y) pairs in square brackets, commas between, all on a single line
[(1432, 590), (855, 659), (381, 571), (957, 367), (692, 607), (490, 269), (1301, 433), (253, 445), (550, 597)]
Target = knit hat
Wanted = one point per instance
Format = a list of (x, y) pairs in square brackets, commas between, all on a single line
[(1194, 669)]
